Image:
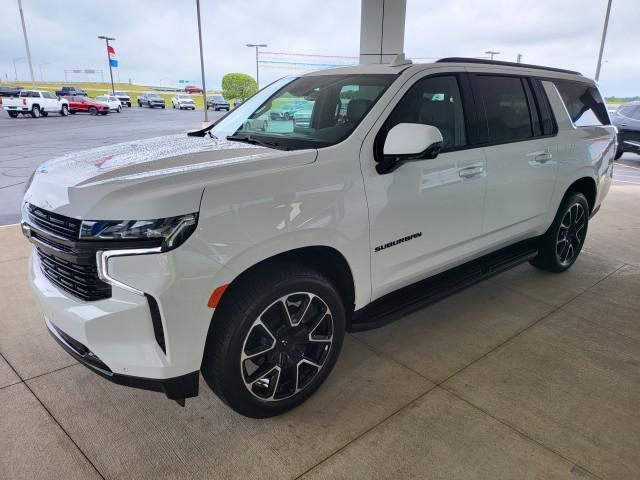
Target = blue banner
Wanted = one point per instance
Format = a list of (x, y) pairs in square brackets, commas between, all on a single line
[(114, 63)]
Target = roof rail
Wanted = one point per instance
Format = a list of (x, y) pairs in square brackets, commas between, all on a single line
[(504, 64)]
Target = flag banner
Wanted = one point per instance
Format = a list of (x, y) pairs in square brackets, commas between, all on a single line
[(113, 61)]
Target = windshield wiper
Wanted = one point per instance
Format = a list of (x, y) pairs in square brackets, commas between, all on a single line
[(256, 141)]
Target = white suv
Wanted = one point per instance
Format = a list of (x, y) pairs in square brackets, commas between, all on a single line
[(246, 250)]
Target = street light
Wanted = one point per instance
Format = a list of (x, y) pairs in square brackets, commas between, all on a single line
[(40, 67), (604, 36), (492, 53), (257, 45), (106, 39), (15, 70), (26, 44), (204, 87)]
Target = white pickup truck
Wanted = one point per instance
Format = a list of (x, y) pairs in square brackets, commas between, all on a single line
[(35, 103)]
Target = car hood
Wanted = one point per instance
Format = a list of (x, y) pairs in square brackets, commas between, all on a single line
[(152, 178)]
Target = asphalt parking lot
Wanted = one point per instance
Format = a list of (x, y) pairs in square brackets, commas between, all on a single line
[(26, 142)]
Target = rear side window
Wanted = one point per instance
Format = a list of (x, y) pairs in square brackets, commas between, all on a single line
[(584, 103), (505, 106)]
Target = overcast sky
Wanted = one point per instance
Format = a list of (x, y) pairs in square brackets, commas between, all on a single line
[(157, 39)]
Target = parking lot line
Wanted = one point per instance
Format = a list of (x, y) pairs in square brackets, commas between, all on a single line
[(624, 181), (622, 165)]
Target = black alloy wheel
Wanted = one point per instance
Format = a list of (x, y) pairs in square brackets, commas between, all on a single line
[(286, 346), (560, 246), (571, 234), (274, 339)]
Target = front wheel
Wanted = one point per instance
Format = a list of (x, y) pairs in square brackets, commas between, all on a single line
[(119, 109), (561, 244), (273, 340), (93, 111)]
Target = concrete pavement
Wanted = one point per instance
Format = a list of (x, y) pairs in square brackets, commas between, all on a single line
[(528, 375)]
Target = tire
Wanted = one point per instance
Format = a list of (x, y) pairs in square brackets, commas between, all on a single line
[(119, 109), (93, 111), (162, 107), (560, 246), (305, 363), (35, 111), (44, 113), (64, 111), (139, 105), (13, 114), (619, 153)]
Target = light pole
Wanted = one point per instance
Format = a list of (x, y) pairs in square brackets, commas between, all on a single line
[(106, 39), (15, 70), (604, 36), (26, 44), (204, 87), (492, 53), (257, 45), (40, 67)]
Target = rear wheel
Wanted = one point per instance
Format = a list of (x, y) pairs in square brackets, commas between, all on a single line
[(273, 341), (560, 246), (64, 111), (35, 111)]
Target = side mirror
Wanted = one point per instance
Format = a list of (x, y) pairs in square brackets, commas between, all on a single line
[(409, 141)]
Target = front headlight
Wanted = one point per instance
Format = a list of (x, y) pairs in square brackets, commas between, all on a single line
[(168, 232)]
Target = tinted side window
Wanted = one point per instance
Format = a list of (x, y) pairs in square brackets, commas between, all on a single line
[(505, 106), (583, 102), (434, 101)]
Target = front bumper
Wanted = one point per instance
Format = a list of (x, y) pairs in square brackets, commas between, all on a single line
[(176, 388), (150, 330)]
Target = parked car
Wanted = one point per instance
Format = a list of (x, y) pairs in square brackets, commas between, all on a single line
[(287, 110), (151, 100), (192, 89), (302, 118), (80, 104), (183, 101), (247, 259), (113, 103), (71, 91), (125, 100), (10, 90), (627, 119), (217, 102), (35, 103)]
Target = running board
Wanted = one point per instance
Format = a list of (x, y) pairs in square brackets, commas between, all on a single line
[(397, 304)]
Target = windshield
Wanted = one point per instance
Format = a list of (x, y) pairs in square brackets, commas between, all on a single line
[(153, 95), (305, 112)]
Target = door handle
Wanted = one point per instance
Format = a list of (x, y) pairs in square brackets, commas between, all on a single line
[(540, 156), (543, 157), (471, 171)]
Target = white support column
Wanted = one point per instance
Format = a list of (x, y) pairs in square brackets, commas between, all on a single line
[(382, 30)]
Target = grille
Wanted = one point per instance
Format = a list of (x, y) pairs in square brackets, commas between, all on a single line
[(79, 280), (60, 225)]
